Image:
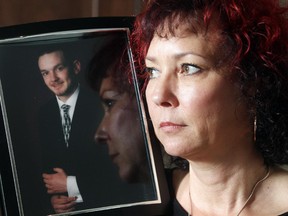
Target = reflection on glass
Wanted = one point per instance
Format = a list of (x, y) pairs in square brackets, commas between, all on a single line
[(120, 127)]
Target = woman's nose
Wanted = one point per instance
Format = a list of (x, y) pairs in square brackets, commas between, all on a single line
[(164, 92), (101, 135)]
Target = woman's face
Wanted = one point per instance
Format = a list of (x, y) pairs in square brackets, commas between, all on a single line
[(193, 105), (120, 130)]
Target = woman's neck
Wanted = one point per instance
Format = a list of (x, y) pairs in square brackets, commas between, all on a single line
[(220, 188)]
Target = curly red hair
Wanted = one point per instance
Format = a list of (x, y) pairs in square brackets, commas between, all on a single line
[(258, 26)]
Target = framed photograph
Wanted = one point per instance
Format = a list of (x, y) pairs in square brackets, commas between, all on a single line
[(75, 138)]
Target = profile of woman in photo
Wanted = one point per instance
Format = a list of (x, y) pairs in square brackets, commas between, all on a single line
[(120, 128)]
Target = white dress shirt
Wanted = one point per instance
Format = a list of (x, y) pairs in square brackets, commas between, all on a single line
[(72, 187)]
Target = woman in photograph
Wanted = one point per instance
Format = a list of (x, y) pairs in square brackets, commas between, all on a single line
[(217, 95), (120, 126)]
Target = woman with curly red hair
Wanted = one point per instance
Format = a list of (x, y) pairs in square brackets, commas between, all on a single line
[(217, 93)]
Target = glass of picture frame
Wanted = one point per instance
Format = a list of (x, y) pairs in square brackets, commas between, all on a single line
[(111, 163)]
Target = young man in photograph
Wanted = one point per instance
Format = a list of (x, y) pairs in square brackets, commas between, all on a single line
[(67, 125)]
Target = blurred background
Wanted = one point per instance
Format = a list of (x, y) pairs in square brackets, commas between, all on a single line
[(14, 12)]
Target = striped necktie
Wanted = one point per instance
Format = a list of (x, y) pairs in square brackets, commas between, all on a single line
[(67, 122)]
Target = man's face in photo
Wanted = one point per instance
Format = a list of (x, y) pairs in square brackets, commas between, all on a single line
[(57, 75)]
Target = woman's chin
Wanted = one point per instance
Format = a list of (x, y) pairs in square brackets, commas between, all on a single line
[(128, 176)]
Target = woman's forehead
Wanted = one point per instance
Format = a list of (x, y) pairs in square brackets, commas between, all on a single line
[(179, 26)]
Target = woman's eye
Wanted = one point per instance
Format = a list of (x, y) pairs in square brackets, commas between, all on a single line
[(189, 69), (152, 72), (108, 103)]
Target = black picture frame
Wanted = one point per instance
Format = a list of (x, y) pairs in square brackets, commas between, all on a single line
[(18, 145)]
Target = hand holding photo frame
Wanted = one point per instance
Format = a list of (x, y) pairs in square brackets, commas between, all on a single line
[(74, 138)]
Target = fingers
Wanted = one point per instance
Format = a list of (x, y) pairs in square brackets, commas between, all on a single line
[(46, 176), (62, 199), (53, 190), (46, 180), (56, 182), (62, 203), (50, 191)]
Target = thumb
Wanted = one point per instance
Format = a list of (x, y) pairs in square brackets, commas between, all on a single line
[(58, 170)]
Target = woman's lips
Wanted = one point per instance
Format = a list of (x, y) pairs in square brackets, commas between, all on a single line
[(114, 157), (171, 127)]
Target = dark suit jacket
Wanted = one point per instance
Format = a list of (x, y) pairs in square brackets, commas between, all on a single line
[(84, 124), (83, 158)]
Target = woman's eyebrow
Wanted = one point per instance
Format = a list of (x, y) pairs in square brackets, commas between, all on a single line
[(176, 56)]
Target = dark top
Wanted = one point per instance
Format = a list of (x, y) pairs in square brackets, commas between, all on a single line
[(175, 207)]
